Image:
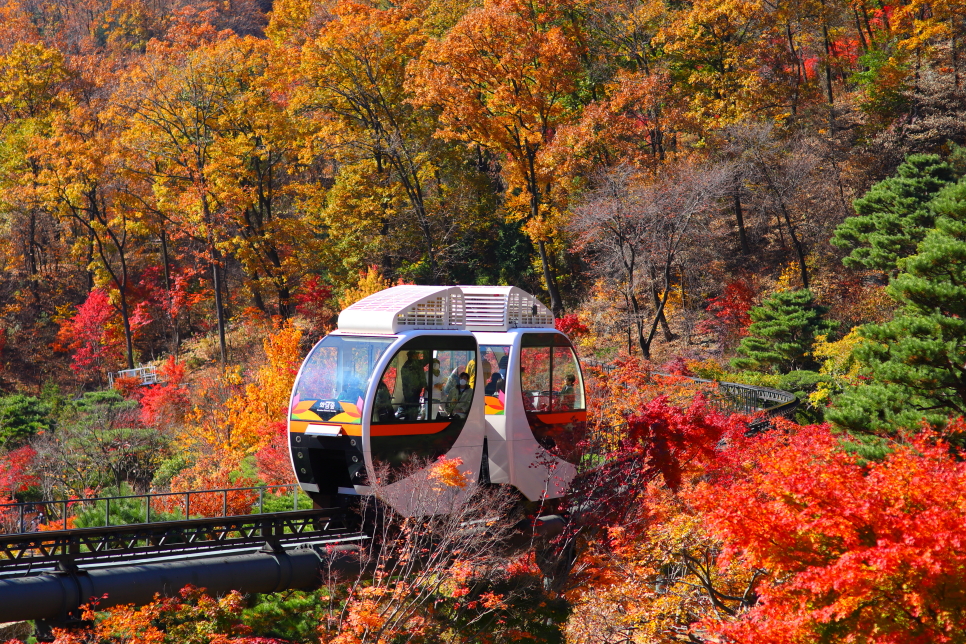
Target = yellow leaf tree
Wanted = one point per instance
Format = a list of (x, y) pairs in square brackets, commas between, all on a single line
[(502, 77)]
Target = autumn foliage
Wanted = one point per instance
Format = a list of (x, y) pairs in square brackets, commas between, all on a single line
[(849, 546), (786, 535), (189, 616), (165, 403), (202, 187), (15, 474), (91, 335), (731, 311), (572, 326)]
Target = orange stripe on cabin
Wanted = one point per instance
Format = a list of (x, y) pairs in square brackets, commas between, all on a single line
[(561, 417), (393, 429)]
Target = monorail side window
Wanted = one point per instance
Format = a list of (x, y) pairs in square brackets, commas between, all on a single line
[(550, 374), (553, 392), (422, 384), (496, 359), (422, 398)]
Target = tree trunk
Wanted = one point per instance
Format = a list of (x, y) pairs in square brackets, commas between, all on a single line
[(643, 343), (799, 250), (668, 336), (32, 262), (284, 300), (90, 254), (128, 339), (257, 299), (799, 72), (688, 328), (858, 29), (219, 310), (120, 280), (796, 242), (173, 317), (660, 309), (556, 305), (216, 281), (740, 217), (284, 293), (953, 52), (828, 63)]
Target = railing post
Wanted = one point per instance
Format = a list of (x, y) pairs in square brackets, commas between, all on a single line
[(21, 519), (295, 497), (224, 504), (187, 505), (147, 508), (261, 500), (107, 511), (65, 514)]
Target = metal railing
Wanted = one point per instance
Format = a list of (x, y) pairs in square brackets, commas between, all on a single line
[(147, 375), (763, 403), (33, 516), (748, 399), (35, 552), (734, 397)]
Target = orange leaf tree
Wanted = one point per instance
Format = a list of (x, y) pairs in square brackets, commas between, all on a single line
[(352, 84), (503, 78)]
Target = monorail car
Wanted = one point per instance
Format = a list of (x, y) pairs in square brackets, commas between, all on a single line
[(419, 372)]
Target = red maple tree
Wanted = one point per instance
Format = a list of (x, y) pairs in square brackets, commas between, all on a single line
[(731, 312), (90, 336), (854, 550), (165, 402)]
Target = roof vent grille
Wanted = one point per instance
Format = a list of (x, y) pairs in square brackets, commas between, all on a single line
[(523, 310), (486, 310)]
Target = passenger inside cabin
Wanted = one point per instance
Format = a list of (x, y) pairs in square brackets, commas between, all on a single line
[(496, 384), (503, 365), (569, 392), (351, 390), (460, 398), (382, 409), (438, 382), (413, 378), (471, 370)]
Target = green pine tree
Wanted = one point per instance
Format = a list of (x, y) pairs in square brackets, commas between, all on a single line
[(916, 362), (20, 418), (893, 216), (782, 333)]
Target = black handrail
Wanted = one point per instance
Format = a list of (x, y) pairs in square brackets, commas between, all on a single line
[(764, 403), (747, 399), (26, 551), (183, 500)]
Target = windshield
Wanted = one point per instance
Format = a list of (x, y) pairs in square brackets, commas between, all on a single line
[(334, 378)]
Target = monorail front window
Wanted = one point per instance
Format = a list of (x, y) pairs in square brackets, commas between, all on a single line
[(333, 381)]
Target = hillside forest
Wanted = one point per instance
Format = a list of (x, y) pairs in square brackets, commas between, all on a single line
[(749, 191)]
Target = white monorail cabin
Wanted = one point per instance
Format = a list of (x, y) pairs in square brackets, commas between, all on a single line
[(418, 373)]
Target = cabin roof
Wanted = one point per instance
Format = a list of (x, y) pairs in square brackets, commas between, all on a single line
[(471, 308)]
